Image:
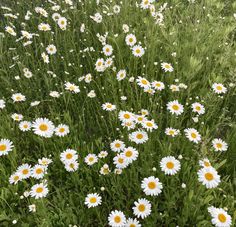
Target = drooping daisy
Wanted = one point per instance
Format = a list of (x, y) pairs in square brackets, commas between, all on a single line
[(220, 218), (142, 208), (24, 170), (158, 85), (72, 87), (219, 88), (102, 154), (100, 65), (130, 39), (5, 146), (198, 108), (71, 166), (132, 222), (39, 191), (17, 117), (44, 27), (108, 106), (43, 127), (193, 135), (62, 23), (18, 97), (172, 132), (91, 159), (121, 75), (14, 178), (10, 30), (219, 145), (61, 130), (44, 161), (120, 161), (93, 200), (116, 219), (68, 155), (149, 125), (167, 67), (138, 51), (25, 126), (151, 186), (38, 171), (131, 154), (209, 177), (105, 170), (138, 137), (205, 163), (117, 145), (170, 165), (175, 107), (107, 50)]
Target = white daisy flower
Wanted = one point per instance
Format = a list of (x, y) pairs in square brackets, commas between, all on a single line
[(121, 75), (130, 39), (220, 218), (149, 125), (91, 159), (193, 135), (17, 117), (61, 130), (219, 88), (43, 127), (71, 166), (5, 146), (25, 126), (108, 106), (38, 171), (132, 222), (116, 219), (93, 200), (198, 108), (158, 85), (172, 132), (51, 49), (120, 161), (24, 171), (117, 146), (18, 97), (138, 51), (167, 67), (175, 107), (205, 163), (131, 154), (142, 208), (107, 50), (219, 145), (170, 165), (72, 87), (138, 137), (151, 186), (14, 178), (125, 116), (142, 82), (68, 155), (209, 177), (39, 191), (2, 104)]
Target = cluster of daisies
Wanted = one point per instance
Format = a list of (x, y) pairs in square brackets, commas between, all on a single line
[(37, 172), (137, 49)]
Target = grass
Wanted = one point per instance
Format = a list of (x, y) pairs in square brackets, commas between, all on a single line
[(202, 34)]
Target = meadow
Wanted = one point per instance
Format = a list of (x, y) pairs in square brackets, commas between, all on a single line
[(117, 113)]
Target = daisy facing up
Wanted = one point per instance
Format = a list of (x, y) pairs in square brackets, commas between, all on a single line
[(172, 132), (209, 177), (151, 186), (158, 85), (43, 127), (220, 218), (91, 159), (149, 125), (116, 219), (120, 161), (167, 67), (138, 137), (93, 200), (39, 191), (25, 126), (72, 87), (132, 222), (193, 135), (130, 39), (24, 171), (68, 155), (108, 106), (205, 163), (18, 97), (125, 116), (219, 145), (175, 107), (61, 130), (38, 171), (71, 166), (142, 208), (219, 88), (121, 75), (14, 178), (143, 82), (170, 165), (5, 146), (198, 108), (138, 51), (131, 154), (117, 146)]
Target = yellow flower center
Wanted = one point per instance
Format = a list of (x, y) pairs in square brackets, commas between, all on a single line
[(219, 88), (3, 147), (69, 156), (219, 145), (222, 218), (25, 171), (175, 107), (170, 165), (128, 153), (117, 145), (141, 207), (43, 127), (193, 135), (144, 82), (126, 116), (121, 160), (117, 219), (209, 176), (16, 178), (93, 200), (61, 130), (152, 185), (39, 171), (207, 164), (139, 136), (39, 190)]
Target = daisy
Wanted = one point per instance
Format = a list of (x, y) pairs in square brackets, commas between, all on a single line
[(104, 170), (14, 178), (5, 146), (140, 119), (193, 135), (128, 124), (219, 145), (38, 171), (25, 126), (142, 208), (24, 170), (10, 30), (44, 27), (158, 85), (61, 130), (51, 49), (220, 218), (167, 67), (142, 82), (138, 137), (62, 23), (116, 219), (131, 154), (71, 166), (108, 106), (198, 108), (204, 163), (102, 154), (117, 146), (68, 155), (219, 88), (149, 125), (100, 65), (44, 161), (121, 75), (2, 104), (175, 107), (91, 159), (170, 165), (107, 50), (125, 116), (17, 117), (132, 222), (130, 39), (108, 62), (209, 177), (18, 97), (151, 186), (145, 4), (93, 200), (172, 132), (138, 51), (120, 161), (72, 87), (43, 127), (39, 191)]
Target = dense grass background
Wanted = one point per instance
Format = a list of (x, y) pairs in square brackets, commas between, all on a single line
[(203, 36)]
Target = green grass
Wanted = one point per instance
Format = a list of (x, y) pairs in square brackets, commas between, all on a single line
[(205, 54)]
